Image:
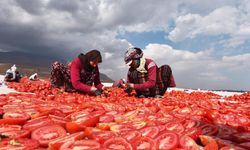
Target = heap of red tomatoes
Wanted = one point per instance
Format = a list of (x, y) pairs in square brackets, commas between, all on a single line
[(41, 117)]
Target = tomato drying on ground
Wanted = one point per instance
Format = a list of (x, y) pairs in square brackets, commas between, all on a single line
[(52, 119)]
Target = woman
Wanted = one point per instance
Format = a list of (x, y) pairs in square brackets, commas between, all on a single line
[(144, 75), (12, 75), (80, 74)]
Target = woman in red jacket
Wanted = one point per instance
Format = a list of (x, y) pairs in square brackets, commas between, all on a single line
[(82, 74), (144, 75)]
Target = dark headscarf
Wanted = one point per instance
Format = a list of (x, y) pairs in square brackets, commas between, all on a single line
[(93, 55)]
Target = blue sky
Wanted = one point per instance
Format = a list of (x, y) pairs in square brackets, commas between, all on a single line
[(207, 43)]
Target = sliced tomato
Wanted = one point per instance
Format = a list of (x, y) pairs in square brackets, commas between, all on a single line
[(58, 120), (57, 143), (145, 143), (6, 127), (48, 133), (119, 128), (19, 144), (73, 127), (175, 127), (117, 143), (107, 118), (98, 135), (188, 143), (167, 140), (194, 133), (105, 126), (87, 121), (209, 129), (81, 144), (37, 122), (151, 132), (132, 136), (16, 134), (15, 117)]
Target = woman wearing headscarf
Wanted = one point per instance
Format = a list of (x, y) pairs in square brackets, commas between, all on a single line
[(145, 77), (82, 74)]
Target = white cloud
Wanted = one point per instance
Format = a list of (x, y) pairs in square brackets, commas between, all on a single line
[(228, 20), (201, 69)]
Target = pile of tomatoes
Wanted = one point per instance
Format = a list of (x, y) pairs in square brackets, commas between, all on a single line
[(42, 117)]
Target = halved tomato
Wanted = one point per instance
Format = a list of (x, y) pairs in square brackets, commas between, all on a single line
[(188, 143), (81, 144), (48, 133), (57, 143), (6, 127), (16, 134), (131, 136), (37, 122), (98, 135), (119, 128), (168, 140), (151, 132), (73, 127), (175, 127), (15, 118), (19, 144), (117, 143), (107, 118), (145, 143)]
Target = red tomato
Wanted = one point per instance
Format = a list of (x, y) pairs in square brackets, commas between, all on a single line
[(117, 143), (132, 136), (194, 133), (145, 143), (87, 121), (5, 128), (188, 143), (57, 143), (107, 118), (105, 126), (175, 127), (98, 135), (16, 134), (119, 128), (19, 144), (58, 120), (73, 127), (209, 129), (167, 140), (48, 133), (15, 117), (151, 132), (37, 122), (81, 144)]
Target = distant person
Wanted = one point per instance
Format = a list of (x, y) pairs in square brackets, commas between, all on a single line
[(145, 77), (34, 77), (12, 75), (82, 74)]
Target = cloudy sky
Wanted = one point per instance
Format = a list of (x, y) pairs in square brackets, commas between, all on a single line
[(207, 43)]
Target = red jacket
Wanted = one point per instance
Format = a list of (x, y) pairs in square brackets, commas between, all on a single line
[(151, 68), (79, 77)]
